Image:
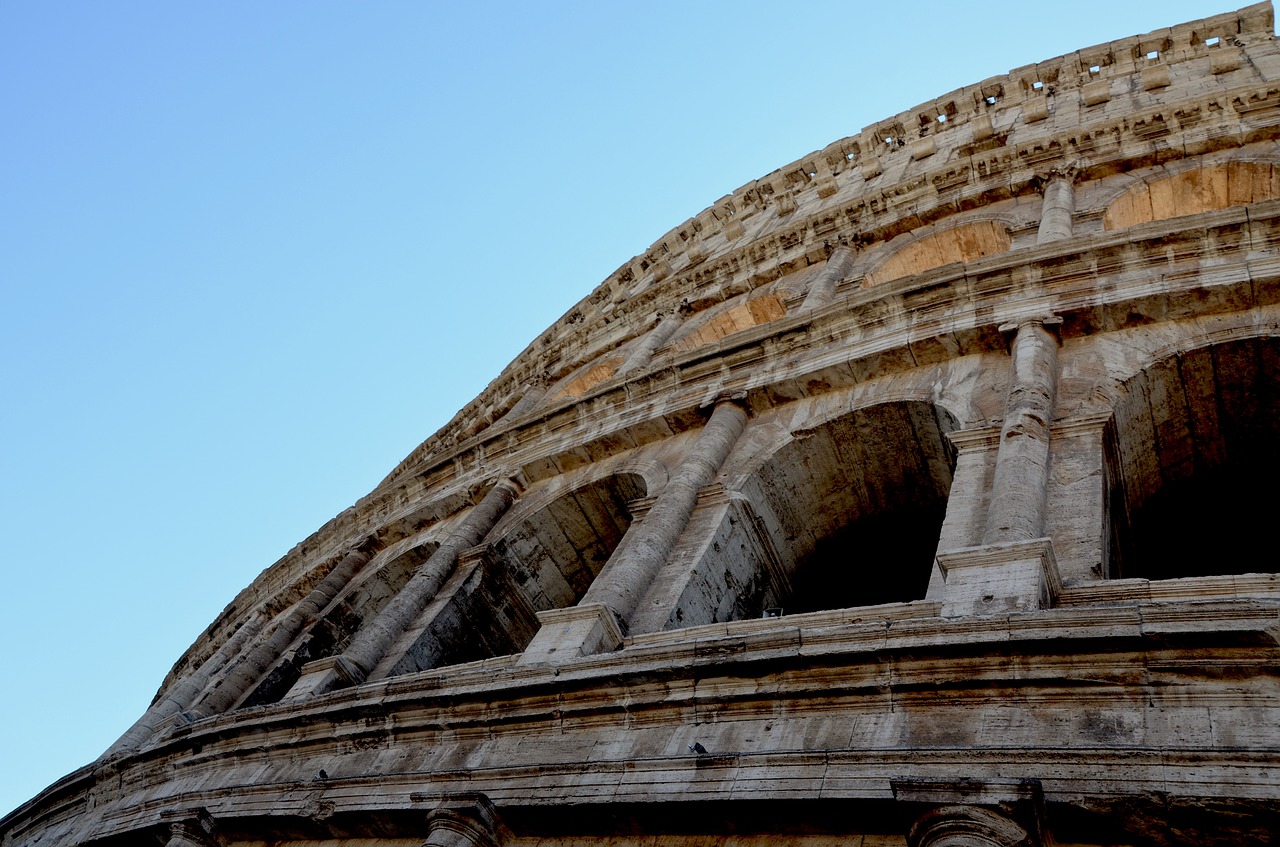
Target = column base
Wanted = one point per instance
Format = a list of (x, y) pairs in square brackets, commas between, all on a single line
[(325, 675), (1015, 576), (565, 634)]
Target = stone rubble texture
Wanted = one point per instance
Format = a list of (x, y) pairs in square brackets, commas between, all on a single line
[(923, 483)]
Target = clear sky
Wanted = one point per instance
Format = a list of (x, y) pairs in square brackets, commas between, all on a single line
[(252, 254)]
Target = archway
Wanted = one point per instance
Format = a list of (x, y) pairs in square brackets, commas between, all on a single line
[(1196, 453), (854, 507)]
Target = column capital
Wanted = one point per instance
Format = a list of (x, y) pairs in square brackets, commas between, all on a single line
[(726, 398), (464, 820), (517, 482), (968, 826), (191, 828), (1050, 322), (1082, 424), (977, 439), (1068, 171)]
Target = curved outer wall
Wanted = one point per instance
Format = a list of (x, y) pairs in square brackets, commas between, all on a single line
[(914, 493)]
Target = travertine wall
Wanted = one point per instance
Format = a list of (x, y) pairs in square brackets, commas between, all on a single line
[(915, 493)]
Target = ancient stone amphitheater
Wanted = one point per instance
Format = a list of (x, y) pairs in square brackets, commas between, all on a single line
[(915, 493)]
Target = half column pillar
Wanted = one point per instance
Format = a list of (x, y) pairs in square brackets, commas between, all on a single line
[(597, 623), (1014, 569), (371, 644)]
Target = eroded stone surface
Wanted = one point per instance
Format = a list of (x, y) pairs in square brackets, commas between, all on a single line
[(914, 493)]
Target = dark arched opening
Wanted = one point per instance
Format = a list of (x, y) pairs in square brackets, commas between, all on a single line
[(546, 561), (1197, 444), (855, 506)]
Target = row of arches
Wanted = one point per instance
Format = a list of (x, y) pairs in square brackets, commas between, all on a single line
[(1197, 450), (848, 512), (1171, 191)]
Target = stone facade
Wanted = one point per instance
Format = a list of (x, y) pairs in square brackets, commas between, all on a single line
[(915, 493)]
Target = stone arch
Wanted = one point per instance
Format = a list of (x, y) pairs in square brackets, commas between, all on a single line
[(952, 386), (922, 387), (542, 558), (652, 474), (961, 243), (841, 514), (740, 313), (1194, 432), (577, 384), (553, 554), (1194, 190)]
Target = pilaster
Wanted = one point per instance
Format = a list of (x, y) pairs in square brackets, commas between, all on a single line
[(648, 543), (969, 497), (377, 636), (1059, 206)]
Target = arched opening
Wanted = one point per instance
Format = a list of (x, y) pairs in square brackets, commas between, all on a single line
[(332, 633), (854, 507), (554, 554), (1197, 445), (547, 561)]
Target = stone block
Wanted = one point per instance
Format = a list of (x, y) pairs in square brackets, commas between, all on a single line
[(570, 633), (1096, 92), (1155, 77), (1035, 109), (999, 578)]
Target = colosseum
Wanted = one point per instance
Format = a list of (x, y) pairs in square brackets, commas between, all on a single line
[(911, 494)]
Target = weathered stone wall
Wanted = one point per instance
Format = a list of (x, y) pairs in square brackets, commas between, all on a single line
[(915, 493)]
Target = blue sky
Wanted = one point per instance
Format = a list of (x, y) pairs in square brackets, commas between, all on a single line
[(251, 254)]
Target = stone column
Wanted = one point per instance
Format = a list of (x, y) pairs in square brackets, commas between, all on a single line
[(627, 577), (823, 289), (1022, 461), (1077, 510), (465, 820), (378, 635), (598, 622), (1059, 205), (184, 691), (658, 336), (246, 673), (1014, 568)]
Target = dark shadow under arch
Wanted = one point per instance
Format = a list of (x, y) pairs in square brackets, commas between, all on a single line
[(855, 506), (1196, 456), (546, 561)]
